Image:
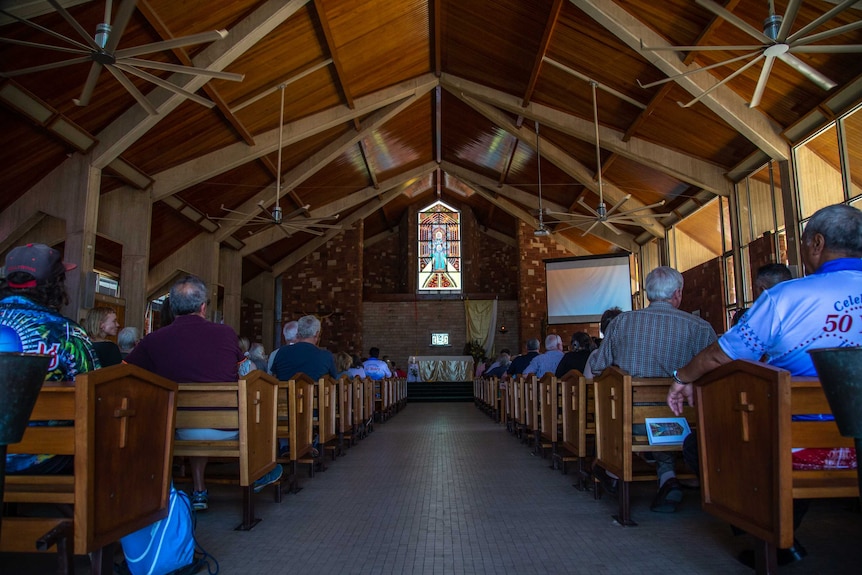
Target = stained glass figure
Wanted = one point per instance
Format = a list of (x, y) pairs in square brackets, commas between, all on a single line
[(439, 248)]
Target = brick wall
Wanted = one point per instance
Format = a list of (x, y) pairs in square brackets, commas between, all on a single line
[(760, 252), (401, 329), (497, 267), (387, 260), (329, 283), (531, 288), (703, 293), (251, 320)]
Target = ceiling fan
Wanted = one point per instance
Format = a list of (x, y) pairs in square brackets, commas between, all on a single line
[(101, 51), (776, 41), (290, 223), (601, 214)]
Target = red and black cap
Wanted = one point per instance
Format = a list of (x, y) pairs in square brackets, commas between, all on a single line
[(39, 261)]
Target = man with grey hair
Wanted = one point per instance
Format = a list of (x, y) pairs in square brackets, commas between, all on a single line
[(654, 342), (288, 332), (193, 349), (520, 363), (304, 356), (816, 311), (548, 361)]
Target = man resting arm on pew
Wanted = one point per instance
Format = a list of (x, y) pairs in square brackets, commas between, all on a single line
[(817, 311)]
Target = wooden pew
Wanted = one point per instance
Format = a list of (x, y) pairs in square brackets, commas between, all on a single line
[(519, 413), (327, 405), (121, 442), (745, 436), (359, 416), (577, 407), (620, 402), (368, 407), (248, 405), (549, 417), (510, 404), (296, 425), (345, 422)]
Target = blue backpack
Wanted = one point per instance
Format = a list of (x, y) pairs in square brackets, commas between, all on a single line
[(167, 546)]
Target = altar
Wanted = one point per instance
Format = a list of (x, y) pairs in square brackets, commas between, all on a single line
[(440, 368)]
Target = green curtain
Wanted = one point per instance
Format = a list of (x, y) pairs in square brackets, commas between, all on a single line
[(481, 323)]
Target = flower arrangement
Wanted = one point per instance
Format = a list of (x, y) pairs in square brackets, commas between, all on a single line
[(475, 349)]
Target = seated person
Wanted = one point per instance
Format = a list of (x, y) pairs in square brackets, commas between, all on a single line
[(101, 323), (577, 356), (31, 296)]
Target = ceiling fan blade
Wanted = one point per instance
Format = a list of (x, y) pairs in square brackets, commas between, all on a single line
[(191, 70), (121, 20), (133, 90), (825, 17), (47, 31), (761, 82), (311, 231), (51, 66), (74, 24), (589, 229), (623, 200), (828, 33), (45, 46), (89, 85), (807, 71), (697, 48), (171, 44), (828, 49), (612, 227), (587, 207), (722, 82), (690, 72), (285, 231), (788, 19), (630, 213), (731, 18), (164, 84)]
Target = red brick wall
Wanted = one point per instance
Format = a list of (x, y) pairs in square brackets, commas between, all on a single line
[(703, 293), (329, 283), (760, 252), (497, 267), (251, 320), (387, 260)]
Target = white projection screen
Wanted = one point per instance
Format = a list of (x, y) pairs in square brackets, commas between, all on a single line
[(581, 289)]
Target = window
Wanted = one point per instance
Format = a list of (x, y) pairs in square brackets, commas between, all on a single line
[(439, 249), (818, 172)]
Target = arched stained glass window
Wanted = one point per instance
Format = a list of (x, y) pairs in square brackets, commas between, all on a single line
[(439, 249)]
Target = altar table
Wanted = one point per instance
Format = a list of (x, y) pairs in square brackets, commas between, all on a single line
[(441, 368)]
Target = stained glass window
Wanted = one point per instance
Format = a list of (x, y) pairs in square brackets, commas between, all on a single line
[(439, 249)]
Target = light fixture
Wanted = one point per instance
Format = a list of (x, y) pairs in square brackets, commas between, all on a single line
[(602, 214)]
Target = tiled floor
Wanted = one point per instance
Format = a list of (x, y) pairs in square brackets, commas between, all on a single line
[(440, 488)]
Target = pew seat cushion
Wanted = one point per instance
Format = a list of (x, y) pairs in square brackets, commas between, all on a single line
[(816, 459)]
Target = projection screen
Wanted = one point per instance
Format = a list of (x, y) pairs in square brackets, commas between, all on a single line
[(579, 290)]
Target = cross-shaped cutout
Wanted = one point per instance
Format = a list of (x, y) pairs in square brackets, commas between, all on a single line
[(613, 403), (256, 404), (744, 408), (123, 414)]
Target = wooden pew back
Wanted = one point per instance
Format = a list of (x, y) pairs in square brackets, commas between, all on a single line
[(296, 415), (746, 434), (327, 393), (121, 442), (248, 405)]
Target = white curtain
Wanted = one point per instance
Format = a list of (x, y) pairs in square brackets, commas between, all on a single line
[(481, 323)]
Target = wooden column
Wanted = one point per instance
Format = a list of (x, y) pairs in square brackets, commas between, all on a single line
[(230, 277)]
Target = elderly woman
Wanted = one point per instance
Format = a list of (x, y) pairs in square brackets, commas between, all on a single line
[(127, 339), (101, 323)]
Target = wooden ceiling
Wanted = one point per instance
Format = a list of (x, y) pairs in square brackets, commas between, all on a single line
[(388, 102)]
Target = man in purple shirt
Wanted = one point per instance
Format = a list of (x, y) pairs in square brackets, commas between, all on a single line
[(193, 349)]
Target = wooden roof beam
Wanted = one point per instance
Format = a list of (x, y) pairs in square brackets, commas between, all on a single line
[(724, 102), (317, 161), (562, 160), (707, 32), (135, 121), (203, 168), (624, 240), (403, 181), (553, 17), (164, 33), (336, 61), (694, 171)]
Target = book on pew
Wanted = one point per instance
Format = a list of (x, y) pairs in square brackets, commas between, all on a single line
[(666, 430)]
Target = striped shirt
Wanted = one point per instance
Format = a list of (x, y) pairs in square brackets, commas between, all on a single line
[(652, 342)]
